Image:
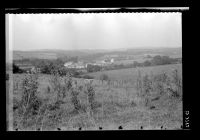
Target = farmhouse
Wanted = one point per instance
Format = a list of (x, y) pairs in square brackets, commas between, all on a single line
[(79, 65), (102, 62)]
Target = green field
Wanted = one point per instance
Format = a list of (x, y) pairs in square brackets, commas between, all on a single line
[(131, 73), (115, 104)]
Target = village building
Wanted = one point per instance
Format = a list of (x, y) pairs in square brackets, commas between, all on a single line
[(79, 65)]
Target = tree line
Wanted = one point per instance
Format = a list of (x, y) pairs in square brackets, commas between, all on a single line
[(57, 65), (154, 61)]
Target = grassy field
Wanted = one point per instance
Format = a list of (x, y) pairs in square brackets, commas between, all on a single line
[(131, 73), (151, 100)]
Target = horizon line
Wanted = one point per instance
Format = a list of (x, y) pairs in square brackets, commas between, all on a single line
[(93, 49)]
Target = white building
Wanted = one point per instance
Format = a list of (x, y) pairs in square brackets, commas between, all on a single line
[(78, 65), (68, 64), (112, 60)]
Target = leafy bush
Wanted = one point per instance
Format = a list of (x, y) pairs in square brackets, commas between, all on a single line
[(175, 88), (160, 84), (147, 84), (56, 86), (30, 103), (91, 95), (93, 68), (16, 69), (74, 99), (147, 63)]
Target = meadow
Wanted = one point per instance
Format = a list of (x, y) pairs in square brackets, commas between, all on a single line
[(132, 99), (131, 73)]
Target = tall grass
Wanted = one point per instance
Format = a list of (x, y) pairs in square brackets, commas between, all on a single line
[(30, 103), (38, 113), (160, 84)]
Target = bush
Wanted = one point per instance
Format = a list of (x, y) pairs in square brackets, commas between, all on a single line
[(16, 69), (58, 88), (68, 82), (147, 84), (93, 68), (147, 63), (91, 95), (74, 99), (176, 85), (30, 102)]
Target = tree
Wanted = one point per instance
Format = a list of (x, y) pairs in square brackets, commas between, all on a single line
[(147, 63), (157, 60), (166, 60), (93, 68), (16, 69)]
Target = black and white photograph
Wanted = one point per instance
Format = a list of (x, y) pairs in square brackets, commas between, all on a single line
[(94, 71)]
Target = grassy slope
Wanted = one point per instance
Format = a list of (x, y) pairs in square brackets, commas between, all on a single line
[(115, 105), (131, 73)]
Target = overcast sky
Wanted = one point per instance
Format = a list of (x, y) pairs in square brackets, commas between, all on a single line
[(96, 31)]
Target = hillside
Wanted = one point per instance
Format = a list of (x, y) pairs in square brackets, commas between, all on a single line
[(90, 55), (105, 105), (130, 73)]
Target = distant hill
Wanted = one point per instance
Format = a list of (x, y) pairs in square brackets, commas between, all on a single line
[(94, 54)]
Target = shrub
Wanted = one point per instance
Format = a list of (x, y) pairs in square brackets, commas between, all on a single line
[(139, 86), (147, 63), (56, 86), (68, 82), (30, 102), (91, 95), (16, 69), (93, 68), (147, 84), (74, 99), (176, 85)]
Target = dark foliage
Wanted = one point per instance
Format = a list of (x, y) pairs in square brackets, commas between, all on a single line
[(16, 69), (93, 68)]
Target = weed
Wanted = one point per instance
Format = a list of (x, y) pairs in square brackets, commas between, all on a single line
[(91, 95), (74, 99)]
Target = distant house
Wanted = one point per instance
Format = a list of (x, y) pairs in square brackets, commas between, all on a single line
[(68, 64), (112, 60), (79, 65), (102, 62)]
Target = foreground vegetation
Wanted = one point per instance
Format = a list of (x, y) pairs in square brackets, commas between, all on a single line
[(50, 102)]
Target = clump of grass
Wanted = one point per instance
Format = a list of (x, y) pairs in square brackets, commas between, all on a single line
[(147, 84), (68, 82), (48, 89), (56, 86), (144, 87), (160, 84), (175, 88), (91, 95), (161, 81), (74, 99)]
